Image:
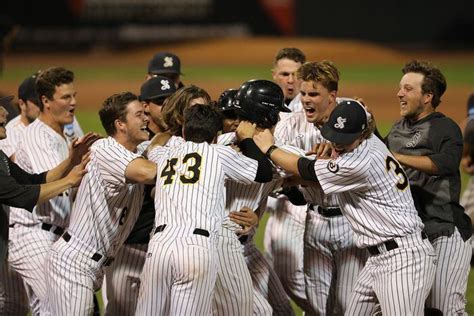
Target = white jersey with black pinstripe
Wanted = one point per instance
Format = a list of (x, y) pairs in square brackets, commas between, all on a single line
[(15, 129), (106, 206), (41, 149), (373, 192)]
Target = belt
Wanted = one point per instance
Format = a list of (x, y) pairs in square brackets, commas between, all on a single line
[(197, 231), (327, 212), (389, 245), (96, 256), (51, 228)]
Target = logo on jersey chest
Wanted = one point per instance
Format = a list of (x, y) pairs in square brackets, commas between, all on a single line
[(332, 166), (415, 140)]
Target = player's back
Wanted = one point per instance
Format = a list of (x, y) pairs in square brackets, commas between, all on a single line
[(190, 187)]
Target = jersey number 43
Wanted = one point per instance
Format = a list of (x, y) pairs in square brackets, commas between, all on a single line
[(193, 163)]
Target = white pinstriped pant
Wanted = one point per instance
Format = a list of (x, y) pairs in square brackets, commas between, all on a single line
[(283, 242), (395, 282), (179, 274), (332, 263), (448, 293), (122, 280), (233, 294), (28, 248), (72, 277), (265, 283)]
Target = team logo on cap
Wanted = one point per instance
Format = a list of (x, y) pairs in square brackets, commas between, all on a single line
[(165, 84), (333, 166), (340, 122), (168, 62)]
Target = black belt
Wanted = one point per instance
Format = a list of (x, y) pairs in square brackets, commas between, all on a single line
[(389, 245), (197, 231), (57, 230), (96, 256), (327, 212)]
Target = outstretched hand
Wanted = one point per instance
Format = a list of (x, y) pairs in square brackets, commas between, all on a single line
[(321, 150), (79, 147), (76, 173), (264, 140), (246, 218), (245, 130)]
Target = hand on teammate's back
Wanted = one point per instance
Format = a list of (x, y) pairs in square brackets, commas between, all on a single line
[(321, 150), (79, 147), (76, 173), (245, 130), (246, 218)]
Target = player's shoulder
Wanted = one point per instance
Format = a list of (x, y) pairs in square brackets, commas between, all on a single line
[(15, 123), (227, 138)]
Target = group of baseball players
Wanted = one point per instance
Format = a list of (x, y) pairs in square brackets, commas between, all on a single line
[(161, 213)]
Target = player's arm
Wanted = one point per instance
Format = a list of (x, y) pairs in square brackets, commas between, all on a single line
[(421, 163), (76, 153), (141, 170), (246, 218)]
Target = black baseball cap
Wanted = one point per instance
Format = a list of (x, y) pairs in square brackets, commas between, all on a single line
[(27, 90), (346, 122), (158, 87), (164, 63)]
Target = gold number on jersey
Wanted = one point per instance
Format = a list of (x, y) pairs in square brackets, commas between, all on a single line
[(124, 216), (193, 171), (391, 163)]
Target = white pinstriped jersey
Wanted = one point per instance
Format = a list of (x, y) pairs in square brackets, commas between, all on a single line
[(40, 150), (190, 186), (15, 129), (106, 206), (372, 191)]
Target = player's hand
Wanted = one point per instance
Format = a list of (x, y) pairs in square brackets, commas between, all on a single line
[(246, 218), (245, 130), (75, 175), (467, 165), (264, 140), (79, 147), (321, 150)]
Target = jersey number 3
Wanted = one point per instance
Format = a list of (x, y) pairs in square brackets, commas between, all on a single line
[(391, 163), (193, 163)]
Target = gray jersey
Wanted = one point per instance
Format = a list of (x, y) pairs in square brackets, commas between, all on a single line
[(373, 192)]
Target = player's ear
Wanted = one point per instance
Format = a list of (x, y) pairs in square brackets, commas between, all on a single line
[(119, 125)]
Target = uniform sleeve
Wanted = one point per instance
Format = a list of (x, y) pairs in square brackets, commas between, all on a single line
[(17, 195), (23, 177), (346, 173), (236, 166), (113, 161), (448, 145), (155, 154)]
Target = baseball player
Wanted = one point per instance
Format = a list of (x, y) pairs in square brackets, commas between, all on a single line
[(429, 146), (180, 270), (106, 208), (42, 148), (285, 227), (259, 102), (168, 65), (374, 194), (225, 103), (332, 261), (122, 277)]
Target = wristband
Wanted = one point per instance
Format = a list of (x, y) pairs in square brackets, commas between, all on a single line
[(270, 151)]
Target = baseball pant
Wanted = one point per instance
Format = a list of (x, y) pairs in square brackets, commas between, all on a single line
[(233, 293), (179, 273), (122, 279), (332, 263), (28, 248), (72, 277), (283, 242), (266, 282), (395, 282), (13, 298), (448, 293)]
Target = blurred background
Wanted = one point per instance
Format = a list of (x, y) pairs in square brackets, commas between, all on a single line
[(108, 44)]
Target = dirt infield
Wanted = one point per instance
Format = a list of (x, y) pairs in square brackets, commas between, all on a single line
[(253, 51)]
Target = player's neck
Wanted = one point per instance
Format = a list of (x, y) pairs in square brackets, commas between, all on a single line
[(51, 122), (125, 142)]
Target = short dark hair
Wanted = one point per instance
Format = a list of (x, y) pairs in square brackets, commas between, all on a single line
[(433, 82), (291, 53), (202, 123), (113, 108), (48, 79), (324, 72)]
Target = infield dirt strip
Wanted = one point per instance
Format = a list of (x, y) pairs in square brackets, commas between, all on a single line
[(248, 52)]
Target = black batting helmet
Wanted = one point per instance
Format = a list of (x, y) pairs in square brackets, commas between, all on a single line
[(226, 100), (260, 102)]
